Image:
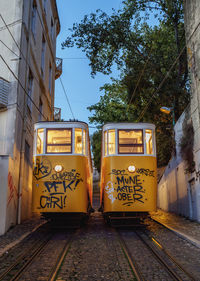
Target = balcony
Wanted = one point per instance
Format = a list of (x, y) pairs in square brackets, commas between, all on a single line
[(4, 90), (57, 114), (58, 70)]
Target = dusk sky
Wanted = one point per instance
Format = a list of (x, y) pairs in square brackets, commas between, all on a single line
[(81, 89)]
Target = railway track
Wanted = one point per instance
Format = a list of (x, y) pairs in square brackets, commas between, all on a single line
[(168, 265), (22, 266)]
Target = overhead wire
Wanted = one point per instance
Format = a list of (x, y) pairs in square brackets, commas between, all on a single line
[(140, 76), (29, 65), (21, 86), (21, 53), (66, 97)]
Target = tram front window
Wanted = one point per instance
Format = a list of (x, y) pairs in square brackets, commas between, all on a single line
[(130, 141), (59, 141), (111, 141), (149, 143), (40, 141), (78, 141)]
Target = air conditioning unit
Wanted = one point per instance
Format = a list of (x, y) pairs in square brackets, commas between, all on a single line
[(4, 90)]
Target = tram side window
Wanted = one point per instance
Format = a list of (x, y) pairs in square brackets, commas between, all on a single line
[(59, 141), (78, 141), (40, 141), (111, 141), (105, 142), (149, 141), (130, 142), (84, 142)]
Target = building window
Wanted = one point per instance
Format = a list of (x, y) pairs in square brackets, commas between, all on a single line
[(130, 141), (30, 90), (45, 6), (50, 78), (43, 55), (27, 152), (52, 30), (33, 18), (40, 110)]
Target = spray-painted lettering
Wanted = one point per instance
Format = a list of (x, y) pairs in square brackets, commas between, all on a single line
[(128, 188)]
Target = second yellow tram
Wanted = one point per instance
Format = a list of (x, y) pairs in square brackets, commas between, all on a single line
[(128, 170)]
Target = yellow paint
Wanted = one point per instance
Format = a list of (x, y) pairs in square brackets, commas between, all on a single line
[(129, 192), (65, 191)]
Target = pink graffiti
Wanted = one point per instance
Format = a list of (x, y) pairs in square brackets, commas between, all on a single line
[(12, 190)]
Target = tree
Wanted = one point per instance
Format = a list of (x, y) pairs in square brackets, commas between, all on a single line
[(143, 54), (96, 149)]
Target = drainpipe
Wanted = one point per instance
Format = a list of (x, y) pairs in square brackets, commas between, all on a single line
[(23, 129)]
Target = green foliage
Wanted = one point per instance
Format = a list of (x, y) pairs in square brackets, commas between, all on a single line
[(96, 149), (187, 144), (143, 55)]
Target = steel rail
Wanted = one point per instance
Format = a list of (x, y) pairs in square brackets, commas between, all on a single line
[(132, 263), (59, 261), (173, 274), (20, 260), (167, 253)]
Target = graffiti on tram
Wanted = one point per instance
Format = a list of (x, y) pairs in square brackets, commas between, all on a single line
[(127, 188), (56, 189)]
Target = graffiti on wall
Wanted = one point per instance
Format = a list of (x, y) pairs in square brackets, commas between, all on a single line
[(56, 189), (13, 194), (128, 188)]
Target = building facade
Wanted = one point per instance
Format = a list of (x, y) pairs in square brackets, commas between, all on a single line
[(28, 68), (179, 189)]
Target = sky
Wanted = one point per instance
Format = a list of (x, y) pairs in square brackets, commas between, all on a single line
[(82, 90)]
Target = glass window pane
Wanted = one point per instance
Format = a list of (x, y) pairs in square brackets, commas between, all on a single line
[(78, 141), (105, 143), (131, 149), (59, 136), (130, 137), (59, 149), (149, 142), (111, 141), (131, 141), (84, 142), (59, 141), (40, 141)]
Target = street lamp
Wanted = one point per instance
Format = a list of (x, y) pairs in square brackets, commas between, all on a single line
[(168, 110)]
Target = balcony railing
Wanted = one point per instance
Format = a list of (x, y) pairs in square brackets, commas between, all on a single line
[(57, 114), (4, 90), (58, 71)]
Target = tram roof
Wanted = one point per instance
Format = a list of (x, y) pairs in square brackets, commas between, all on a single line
[(128, 125), (61, 124)]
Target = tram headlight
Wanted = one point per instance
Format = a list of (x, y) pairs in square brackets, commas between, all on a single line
[(58, 168), (131, 169)]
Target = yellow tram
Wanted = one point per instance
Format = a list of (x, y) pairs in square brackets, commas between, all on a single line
[(128, 170), (62, 171)]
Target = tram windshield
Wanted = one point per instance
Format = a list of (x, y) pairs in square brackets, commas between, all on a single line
[(130, 141), (59, 141)]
